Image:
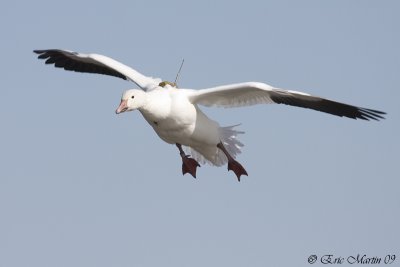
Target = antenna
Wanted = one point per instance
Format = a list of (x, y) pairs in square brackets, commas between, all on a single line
[(179, 71)]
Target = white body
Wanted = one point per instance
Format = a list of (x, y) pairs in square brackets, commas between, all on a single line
[(176, 120)]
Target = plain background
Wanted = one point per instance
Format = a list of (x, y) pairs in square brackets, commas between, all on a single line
[(81, 186)]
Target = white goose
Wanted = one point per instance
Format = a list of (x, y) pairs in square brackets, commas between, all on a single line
[(175, 116)]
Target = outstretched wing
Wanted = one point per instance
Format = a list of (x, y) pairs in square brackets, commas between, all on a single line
[(94, 63), (252, 93)]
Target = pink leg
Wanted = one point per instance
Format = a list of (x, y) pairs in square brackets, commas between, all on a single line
[(233, 165), (189, 165)]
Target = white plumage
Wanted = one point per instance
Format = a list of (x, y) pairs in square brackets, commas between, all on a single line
[(176, 118)]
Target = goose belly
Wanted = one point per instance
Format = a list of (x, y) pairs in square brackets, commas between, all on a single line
[(190, 128), (173, 132)]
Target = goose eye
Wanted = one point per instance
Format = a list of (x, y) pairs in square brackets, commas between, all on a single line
[(133, 97)]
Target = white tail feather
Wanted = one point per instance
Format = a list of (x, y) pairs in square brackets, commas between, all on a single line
[(213, 155)]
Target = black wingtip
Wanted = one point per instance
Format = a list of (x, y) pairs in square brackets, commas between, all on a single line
[(43, 54), (40, 51), (72, 61), (371, 114)]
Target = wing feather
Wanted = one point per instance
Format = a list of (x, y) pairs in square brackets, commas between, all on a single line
[(252, 93), (94, 63)]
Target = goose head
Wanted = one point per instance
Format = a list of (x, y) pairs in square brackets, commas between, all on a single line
[(131, 100)]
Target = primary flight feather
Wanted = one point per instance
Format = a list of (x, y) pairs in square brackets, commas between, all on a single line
[(176, 118)]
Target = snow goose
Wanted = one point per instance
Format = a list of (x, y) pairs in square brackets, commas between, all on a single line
[(176, 118)]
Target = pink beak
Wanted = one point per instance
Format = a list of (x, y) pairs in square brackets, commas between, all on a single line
[(122, 107)]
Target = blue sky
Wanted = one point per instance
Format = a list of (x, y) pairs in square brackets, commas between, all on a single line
[(81, 186)]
